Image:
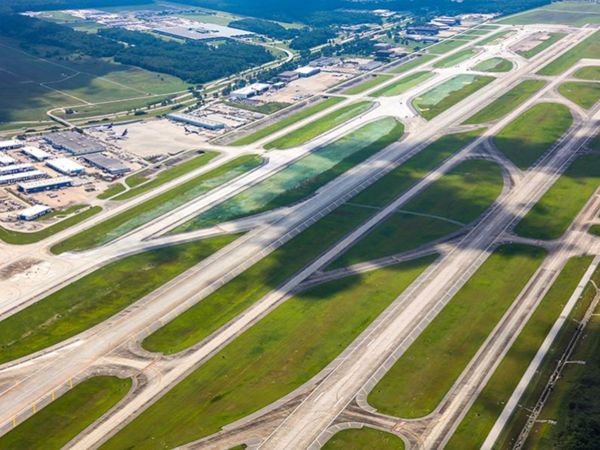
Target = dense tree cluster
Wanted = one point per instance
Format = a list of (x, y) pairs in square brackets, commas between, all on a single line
[(266, 27), (309, 38)]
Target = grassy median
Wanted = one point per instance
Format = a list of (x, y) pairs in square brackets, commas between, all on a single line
[(364, 438), (584, 94), (456, 58), (370, 82), (589, 48), (552, 39), (494, 65), (403, 85)]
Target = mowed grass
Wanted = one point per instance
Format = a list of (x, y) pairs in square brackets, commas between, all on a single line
[(476, 425), (62, 420), (547, 43), (495, 65), (446, 46), (363, 438), (319, 126), (287, 121), (23, 238), (279, 353), (494, 38), (97, 296), (558, 207), (584, 94), (460, 196), (148, 210), (591, 73), (449, 93), (507, 102), (545, 16), (418, 381), (144, 184), (456, 58), (589, 48), (530, 135), (371, 82), (111, 191), (403, 85), (413, 63)]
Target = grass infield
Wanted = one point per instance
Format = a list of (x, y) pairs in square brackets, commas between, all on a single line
[(363, 438)]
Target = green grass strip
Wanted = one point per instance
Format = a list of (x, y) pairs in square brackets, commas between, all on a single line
[(591, 73), (21, 238), (494, 38), (413, 63), (507, 102), (558, 207), (553, 39), (589, 48), (371, 82), (595, 229), (319, 126), (480, 419), (530, 135), (281, 352), (287, 121), (363, 438), (446, 46), (150, 209), (168, 175), (494, 65), (62, 420), (403, 85), (97, 296), (419, 380), (111, 191), (584, 94), (456, 58)]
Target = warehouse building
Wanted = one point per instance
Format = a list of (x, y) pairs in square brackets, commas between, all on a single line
[(196, 121), (15, 168), (75, 143), (288, 75), (66, 166), (10, 144), (307, 71), (35, 153), (50, 184), (34, 212), (429, 30), (250, 91), (6, 160), (22, 176), (110, 165)]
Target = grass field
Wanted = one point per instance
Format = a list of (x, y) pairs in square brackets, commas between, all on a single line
[(446, 46), (22, 238), (530, 135), (456, 58), (552, 215), (148, 210), (495, 65), (584, 94), (279, 353), (418, 381), (287, 121), (371, 82), (265, 108), (317, 127), (111, 191), (595, 229), (413, 63), (461, 195), (589, 48), (495, 38), (591, 73), (305, 176), (403, 85), (549, 15), (552, 39), (449, 93), (63, 419), (507, 102), (97, 296), (481, 417), (363, 438), (143, 184)]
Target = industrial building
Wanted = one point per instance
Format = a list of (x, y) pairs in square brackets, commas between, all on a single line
[(288, 75), (34, 212), (307, 71), (447, 20), (200, 31), (196, 121), (35, 153), (6, 160), (110, 165), (250, 91), (428, 30), (66, 166), (75, 143), (371, 65), (45, 185), (15, 168), (22, 176), (10, 144)]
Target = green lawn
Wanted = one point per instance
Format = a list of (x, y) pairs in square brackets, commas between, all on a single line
[(275, 356), (418, 381), (595, 230), (319, 126), (559, 206), (589, 48), (305, 176), (591, 73), (530, 135), (265, 108), (462, 195), (494, 38), (413, 63), (584, 94), (67, 416), (446, 46), (140, 183), (449, 93), (495, 65), (507, 102), (22, 238), (552, 39), (287, 121), (97, 296), (403, 85), (364, 438), (481, 417), (372, 81), (148, 210), (456, 58), (554, 17), (111, 191)]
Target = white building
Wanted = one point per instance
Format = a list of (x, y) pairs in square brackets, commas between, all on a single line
[(15, 168), (196, 121), (45, 185), (35, 153), (307, 71), (34, 212), (22, 176), (10, 144), (6, 160), (250, 90), (66, 166)]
